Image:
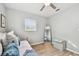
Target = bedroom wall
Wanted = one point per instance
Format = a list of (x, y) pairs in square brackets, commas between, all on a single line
[(2, 9), (15, 22), (65, 25)]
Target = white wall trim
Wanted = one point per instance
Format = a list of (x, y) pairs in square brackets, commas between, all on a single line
[(37, 43), (72, 50)]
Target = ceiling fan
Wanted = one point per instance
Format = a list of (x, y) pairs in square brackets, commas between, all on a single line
[(51, 5)]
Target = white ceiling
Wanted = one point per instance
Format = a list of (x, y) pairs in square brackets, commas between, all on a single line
[(35, 8)]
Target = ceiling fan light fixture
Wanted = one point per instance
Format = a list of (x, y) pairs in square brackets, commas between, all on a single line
[(46, 4)]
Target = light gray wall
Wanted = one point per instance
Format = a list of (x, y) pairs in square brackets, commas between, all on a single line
[(2, 9), (65, 25), (15, 22)]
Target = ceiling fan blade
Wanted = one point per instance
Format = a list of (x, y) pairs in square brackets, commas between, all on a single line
[(42, 7), (53, 6), (57, 10)]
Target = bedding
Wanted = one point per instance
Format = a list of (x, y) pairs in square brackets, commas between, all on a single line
[(30, 53), (24, 45), (11, 50), (24, 49), (15, 47)]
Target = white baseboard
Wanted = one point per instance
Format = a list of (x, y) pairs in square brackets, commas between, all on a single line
[(72, 50), (37, 43)]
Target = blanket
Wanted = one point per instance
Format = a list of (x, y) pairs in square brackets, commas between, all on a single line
[(30, 53), (11, 50)]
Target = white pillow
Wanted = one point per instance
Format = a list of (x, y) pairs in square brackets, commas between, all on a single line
[(2, 35), (3, 38), (12, 37)]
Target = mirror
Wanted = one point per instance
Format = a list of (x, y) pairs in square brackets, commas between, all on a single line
[(2, 21)]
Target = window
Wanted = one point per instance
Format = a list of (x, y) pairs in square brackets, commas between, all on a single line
[(30, 25)]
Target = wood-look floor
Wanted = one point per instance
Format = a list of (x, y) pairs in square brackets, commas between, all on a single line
[(46, 49)]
